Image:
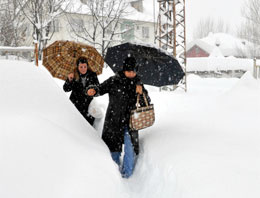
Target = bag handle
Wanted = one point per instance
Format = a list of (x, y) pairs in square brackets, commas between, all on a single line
[(138, 99)]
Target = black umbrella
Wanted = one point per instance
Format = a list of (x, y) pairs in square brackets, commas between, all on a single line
[(156, 67)]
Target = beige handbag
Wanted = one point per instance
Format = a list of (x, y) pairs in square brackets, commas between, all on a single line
[(142, 117)]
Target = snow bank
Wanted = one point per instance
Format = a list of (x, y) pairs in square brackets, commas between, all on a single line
[(47, 149), (206, 143), (245, 95)]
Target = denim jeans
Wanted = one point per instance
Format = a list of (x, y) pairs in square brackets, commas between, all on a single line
[(129, 156)]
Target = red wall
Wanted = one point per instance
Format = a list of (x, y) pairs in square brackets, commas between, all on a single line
[(196, 51)]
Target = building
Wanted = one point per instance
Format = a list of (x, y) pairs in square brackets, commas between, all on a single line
[(136, 25), (218, 45), (219, 55)]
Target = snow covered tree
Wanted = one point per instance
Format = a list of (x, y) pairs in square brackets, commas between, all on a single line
[(250, 28), (102, 24), (42, 14), (11, 23), (207, 25)]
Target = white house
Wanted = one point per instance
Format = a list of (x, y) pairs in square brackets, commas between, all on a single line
[(137, 24)]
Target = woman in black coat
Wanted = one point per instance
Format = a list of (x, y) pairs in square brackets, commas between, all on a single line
[(77, 82), (122, 89)]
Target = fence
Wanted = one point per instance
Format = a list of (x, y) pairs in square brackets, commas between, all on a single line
[(219, 66), (256, 71), (18, 52)]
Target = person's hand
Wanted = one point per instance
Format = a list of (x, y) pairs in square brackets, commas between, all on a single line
[(91, 92), (70, 76), (139, 89)]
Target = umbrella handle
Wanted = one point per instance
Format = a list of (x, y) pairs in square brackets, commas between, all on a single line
[(74, 53)]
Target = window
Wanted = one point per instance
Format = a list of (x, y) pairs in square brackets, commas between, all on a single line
[(26, 30), (128, 30), (145, 32), (77, 25), (128, 27), (55, 27), (109, 29), (197, 51)]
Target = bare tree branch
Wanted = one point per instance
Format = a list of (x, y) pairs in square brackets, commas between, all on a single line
[(11, 24), (250, 28), (41, 14), (207, 25), (104, 18)]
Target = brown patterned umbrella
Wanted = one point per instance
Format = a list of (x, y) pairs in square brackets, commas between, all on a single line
[(60, 58)]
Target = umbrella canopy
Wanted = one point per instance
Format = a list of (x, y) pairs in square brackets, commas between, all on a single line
[(155, 67), (61, 56)]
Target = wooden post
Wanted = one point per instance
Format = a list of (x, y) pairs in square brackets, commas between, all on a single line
[(36, 55)]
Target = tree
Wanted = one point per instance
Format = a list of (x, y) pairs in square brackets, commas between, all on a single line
[(11, 23), (104, 18), (250, 27), (207, 25), (42, 14)]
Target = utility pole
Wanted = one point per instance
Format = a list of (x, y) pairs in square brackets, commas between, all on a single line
[(172, 32)]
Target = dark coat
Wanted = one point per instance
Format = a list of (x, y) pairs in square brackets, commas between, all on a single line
[(122, 99), (78, 95)]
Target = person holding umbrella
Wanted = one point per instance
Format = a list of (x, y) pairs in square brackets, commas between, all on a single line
[(77, 81), (122, 89)]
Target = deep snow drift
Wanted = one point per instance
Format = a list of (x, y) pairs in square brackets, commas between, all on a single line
[(46, 147), (204, 143)]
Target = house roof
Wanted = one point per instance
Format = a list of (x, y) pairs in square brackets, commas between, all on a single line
[(76, 6), (201, 44), (221, 44)]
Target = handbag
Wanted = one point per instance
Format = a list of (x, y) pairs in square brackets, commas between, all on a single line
[(142, 117)]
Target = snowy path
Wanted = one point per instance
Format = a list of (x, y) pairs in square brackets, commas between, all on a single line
[(205, 143)]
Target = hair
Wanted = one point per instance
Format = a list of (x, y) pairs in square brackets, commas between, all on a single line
[(81, 60)]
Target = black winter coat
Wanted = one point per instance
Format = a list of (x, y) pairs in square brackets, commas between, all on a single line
[(122, 99), (78, 95)]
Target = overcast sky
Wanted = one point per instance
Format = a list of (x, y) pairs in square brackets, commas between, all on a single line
[(228, 10)]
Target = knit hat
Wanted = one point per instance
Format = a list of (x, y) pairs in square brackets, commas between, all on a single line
[(129, 64)]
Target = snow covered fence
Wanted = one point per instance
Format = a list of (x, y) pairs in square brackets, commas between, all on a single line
[(256, 72), (18, 52), (220, 66)]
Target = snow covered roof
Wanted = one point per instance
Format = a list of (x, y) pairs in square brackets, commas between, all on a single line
[(200, 43), (221, 44), (77, 6)]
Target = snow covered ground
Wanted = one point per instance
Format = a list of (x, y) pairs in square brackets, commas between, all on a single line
[(204, 143)]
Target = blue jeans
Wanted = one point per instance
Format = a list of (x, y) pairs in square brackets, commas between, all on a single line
[(129, 157)]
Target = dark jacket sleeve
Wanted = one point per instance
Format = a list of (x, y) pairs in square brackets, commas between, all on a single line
[(68, 85), (93, 84), (104, 87), (95, 80)]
